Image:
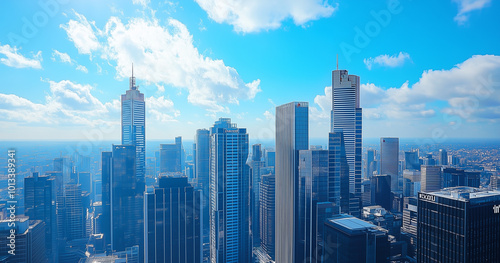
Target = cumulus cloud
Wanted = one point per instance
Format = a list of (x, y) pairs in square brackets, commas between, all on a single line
[(470, 90), (257, 15), (387, 60), (82, 69), (14, 59), (143, 3), (467, 6), (68, 103), (61, 56), (161, 109), (324, 102), (82, 34), (165, 54)]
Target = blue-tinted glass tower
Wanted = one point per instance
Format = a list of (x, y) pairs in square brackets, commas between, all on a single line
[(134, 126), (229, 194)]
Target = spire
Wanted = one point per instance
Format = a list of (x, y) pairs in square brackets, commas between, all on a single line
[(132, 79)]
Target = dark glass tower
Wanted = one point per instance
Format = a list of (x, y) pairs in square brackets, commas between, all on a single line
[(202, 172), (256, 165), (122, 199), (458, 224), (40, 204), (171, 157), (267, 214), (292, 135), (229, 194), (173, 222)]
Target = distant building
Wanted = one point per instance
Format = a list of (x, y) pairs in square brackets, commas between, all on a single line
[(430, 178), (173, 222), (442, 157), (348, 239), (381, 191), (370, 163), (171, 157), (411, 161), (256, 170), (460, 224), (202, 172), (453, 177), (389, 160), (495, 182)]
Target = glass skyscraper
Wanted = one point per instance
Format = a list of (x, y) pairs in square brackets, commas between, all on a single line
[(347, 117), (134, 126), (202, 171), (171, 157), (173, 222), (292, 135), (230, 240), (389, 160)]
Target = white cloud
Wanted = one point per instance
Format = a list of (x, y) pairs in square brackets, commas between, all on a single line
[(144, 3), (268, 115), (157, 108), (16, 60), (469, 90), (257, 15), (82, 68), (166, 55), (467, 6), (63, 57), (387, 60), (81, 33)]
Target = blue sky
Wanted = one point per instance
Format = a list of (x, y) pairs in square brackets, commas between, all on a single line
[(429, 69)]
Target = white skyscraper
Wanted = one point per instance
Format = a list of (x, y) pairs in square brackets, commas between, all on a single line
[(347, 117), (134, 125)]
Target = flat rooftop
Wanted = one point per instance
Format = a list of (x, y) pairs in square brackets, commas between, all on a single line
[(464, 193)]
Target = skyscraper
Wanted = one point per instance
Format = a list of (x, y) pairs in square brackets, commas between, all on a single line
[(313, 203), (40, 204), (411, 161), (442, 157), (267, 214), (381, 191), (202, 171), (171, 157), (255, 172), (458, 224), (29, 237), (389, 160), (338, 181), (347, 117), (134, 126), (292, 135), (453, 177), (173, 222), (122, 199), (229, 194), (430, 178), (370, 163)]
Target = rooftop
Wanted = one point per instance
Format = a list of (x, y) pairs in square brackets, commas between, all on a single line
[(464, 193)]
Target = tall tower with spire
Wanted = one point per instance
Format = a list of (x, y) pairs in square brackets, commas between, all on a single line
[(134, 126)]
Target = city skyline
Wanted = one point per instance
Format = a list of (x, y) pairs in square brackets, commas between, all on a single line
[(69, 89)]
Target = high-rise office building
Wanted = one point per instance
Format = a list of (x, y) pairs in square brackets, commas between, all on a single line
[(256, 165), (442, 157), (173, 222), (171, 157), (313, 203), (267, 214), (389, 159), (381, 191), (430, 177), (495, 182), (202, 171), (459, 224), (229, 193), (65, 167), (347, 117), (349, 239), (40, 204), (292, 135), (370, 162), (122, 199), (411, 161), (71, 225), (457, 177), (29, 237), (338, 180), (134, 127)]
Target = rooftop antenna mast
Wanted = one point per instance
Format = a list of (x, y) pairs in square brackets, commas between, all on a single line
[(132, 79)]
